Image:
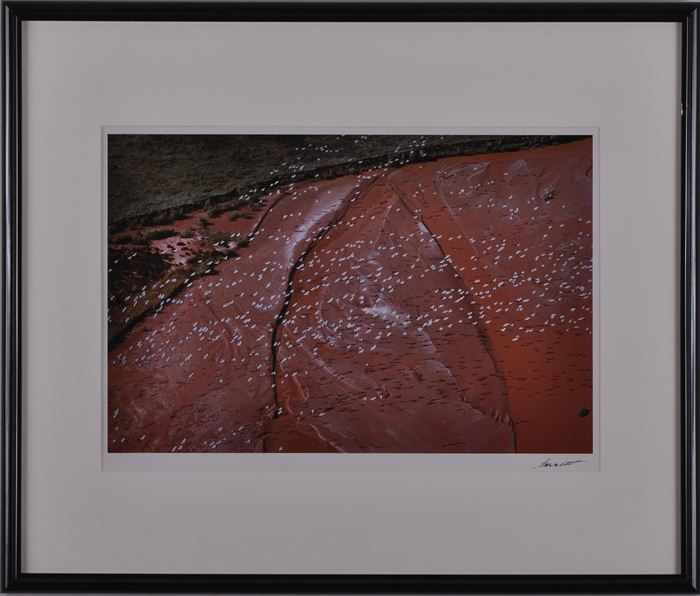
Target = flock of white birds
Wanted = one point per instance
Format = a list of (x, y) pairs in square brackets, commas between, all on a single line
[(287, 287)]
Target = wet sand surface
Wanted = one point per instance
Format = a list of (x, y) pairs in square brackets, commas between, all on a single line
[(444, 306)]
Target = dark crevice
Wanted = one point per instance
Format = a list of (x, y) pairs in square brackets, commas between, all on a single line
[(289, 289), (263, 217), (117, 334), (481, 331)]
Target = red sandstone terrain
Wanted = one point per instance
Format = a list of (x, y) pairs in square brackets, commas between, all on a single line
[(443, 306)]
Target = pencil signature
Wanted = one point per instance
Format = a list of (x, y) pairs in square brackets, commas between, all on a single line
[(549, 463)]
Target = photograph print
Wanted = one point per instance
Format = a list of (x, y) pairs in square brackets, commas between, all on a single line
[(349, 293)]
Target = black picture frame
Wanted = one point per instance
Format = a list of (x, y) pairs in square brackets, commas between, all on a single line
[(17, 12)]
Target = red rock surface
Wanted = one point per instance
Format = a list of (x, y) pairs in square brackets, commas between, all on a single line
[(436, 307)]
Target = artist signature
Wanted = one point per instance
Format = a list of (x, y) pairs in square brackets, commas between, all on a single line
[(549, 463)]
